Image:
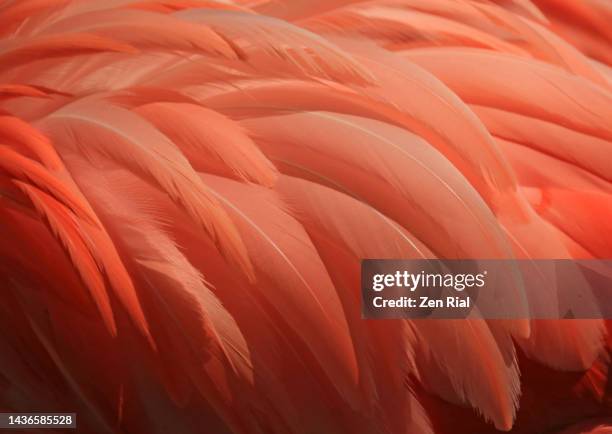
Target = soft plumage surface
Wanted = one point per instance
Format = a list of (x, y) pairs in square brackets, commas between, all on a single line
[(187, 189)]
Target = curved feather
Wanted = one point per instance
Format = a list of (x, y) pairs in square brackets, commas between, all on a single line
[(327, 215), (212, 142), (66, 229), (530, 88), (285, 262), (27, 170), (366, 158), (400, 28), (17, 90), (585, 151), (126, 138), (19, 52), (143, 30), (276, 45), (16, 131), (191, 324)]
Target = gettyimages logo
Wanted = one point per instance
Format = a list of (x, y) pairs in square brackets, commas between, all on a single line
[(413, 281), (489, 289)]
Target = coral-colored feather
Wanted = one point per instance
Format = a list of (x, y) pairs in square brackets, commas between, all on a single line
[(188, 187)]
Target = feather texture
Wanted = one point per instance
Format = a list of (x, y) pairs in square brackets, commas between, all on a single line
[(188, 188)]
